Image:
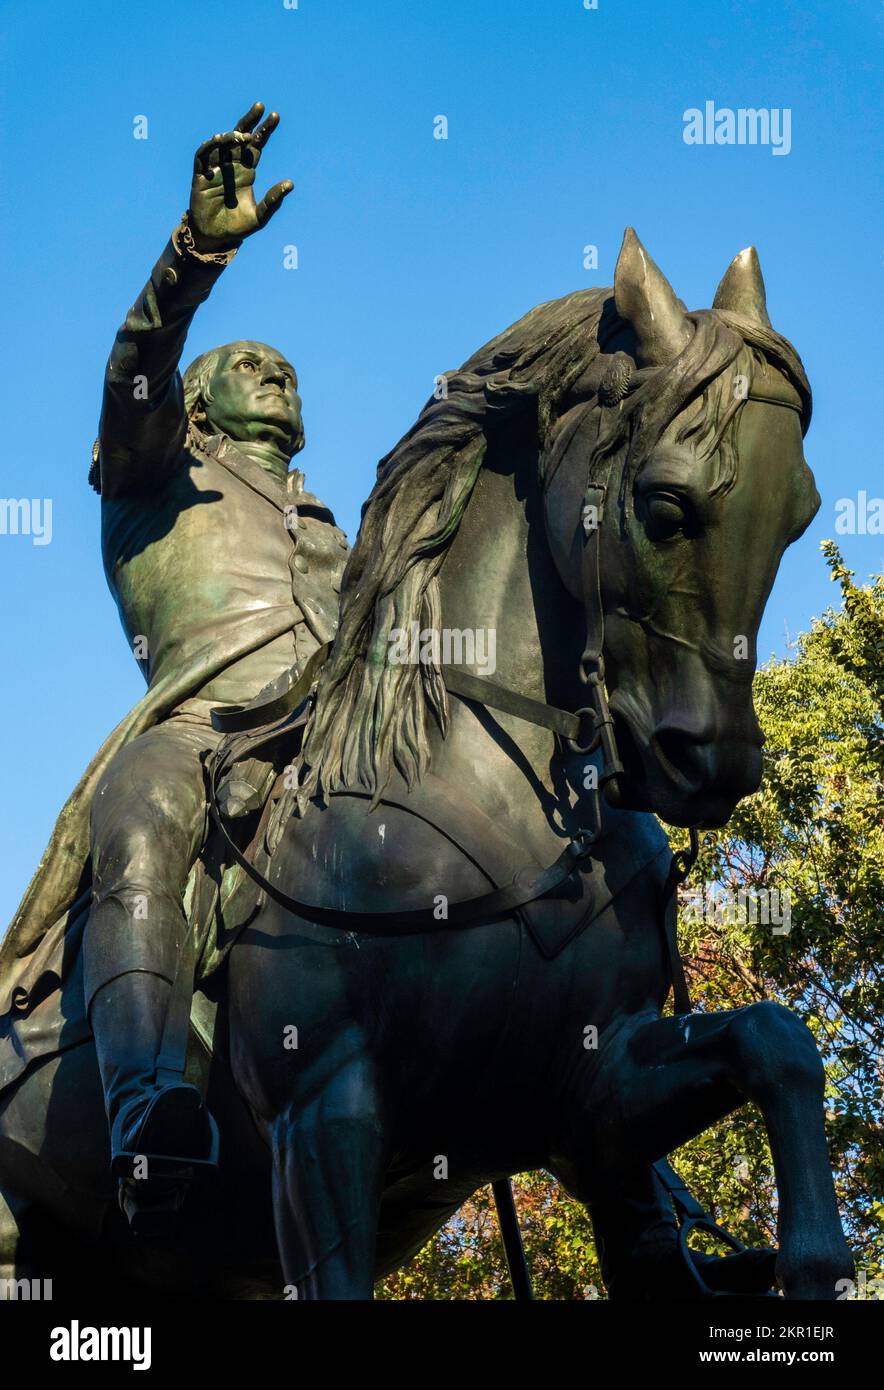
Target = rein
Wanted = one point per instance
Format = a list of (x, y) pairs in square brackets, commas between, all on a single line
[(583, 731), (499, 902)]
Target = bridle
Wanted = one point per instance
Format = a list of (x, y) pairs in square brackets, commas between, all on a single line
[(586, 730)]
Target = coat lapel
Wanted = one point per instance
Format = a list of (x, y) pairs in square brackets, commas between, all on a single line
[(277, 493), (247, 471)]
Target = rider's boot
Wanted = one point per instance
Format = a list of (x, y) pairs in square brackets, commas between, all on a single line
[(161, 1132)]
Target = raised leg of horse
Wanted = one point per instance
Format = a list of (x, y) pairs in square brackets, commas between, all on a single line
[(666, 1080), (327, 1169)]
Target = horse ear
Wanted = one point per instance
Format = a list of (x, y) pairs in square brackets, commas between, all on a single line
[(647, 301), (742, 288)]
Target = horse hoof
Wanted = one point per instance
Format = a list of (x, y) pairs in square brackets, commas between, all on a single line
[(815, 1275), (744, 1274)]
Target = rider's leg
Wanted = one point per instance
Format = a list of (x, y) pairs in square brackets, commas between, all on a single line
[(148, 820)]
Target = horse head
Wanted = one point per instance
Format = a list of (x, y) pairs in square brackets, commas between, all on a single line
[(690, 426)]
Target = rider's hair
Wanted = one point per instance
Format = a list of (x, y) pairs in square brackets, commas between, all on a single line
[(370, 716), (198, 383)]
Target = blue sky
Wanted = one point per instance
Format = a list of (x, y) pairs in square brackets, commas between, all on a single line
[(565, 124)]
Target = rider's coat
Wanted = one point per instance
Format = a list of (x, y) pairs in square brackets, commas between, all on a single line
[(224, 576)]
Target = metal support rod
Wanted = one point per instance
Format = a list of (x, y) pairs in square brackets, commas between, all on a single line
[(512, 1239)]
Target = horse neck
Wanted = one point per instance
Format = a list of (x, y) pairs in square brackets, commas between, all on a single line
[(499, 577)]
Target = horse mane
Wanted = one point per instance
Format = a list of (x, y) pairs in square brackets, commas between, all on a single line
[(370, 715)]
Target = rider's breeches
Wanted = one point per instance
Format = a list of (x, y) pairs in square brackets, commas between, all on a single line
[(147, 827)]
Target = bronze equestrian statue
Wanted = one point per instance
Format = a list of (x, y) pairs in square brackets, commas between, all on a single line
[(432, 923)]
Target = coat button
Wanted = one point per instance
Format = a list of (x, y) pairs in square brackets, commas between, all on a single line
[(301, 564)]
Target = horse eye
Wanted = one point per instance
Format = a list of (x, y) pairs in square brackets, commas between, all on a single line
[(665, 515)]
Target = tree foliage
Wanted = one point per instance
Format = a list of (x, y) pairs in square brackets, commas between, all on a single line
[(813, 835)]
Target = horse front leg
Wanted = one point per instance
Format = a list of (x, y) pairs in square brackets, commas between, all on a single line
[(328, 1161), (667, 1080)]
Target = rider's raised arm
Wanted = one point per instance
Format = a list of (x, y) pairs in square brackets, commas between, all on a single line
[(143, 420)]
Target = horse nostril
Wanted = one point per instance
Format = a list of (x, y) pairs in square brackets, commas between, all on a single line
[(676, 747), (731, 764)]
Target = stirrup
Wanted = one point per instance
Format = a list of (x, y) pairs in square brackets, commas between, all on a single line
[(181, 1169)]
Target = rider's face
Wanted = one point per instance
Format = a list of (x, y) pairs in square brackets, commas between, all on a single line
[(255, 398)]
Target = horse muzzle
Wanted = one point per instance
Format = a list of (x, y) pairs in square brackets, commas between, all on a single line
[(684, 772)]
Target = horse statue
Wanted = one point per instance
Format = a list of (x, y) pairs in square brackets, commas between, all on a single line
[(442, 956)]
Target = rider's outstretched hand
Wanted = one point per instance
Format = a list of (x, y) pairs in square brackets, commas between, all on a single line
[(223, 211)]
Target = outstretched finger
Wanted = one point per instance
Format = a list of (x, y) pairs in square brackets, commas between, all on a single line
[(252, 116), (201, 158), (266, 129), (213, 152), (272, 201), (226, 151)]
